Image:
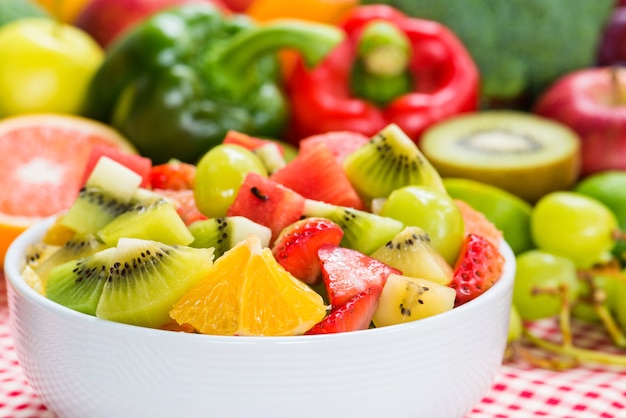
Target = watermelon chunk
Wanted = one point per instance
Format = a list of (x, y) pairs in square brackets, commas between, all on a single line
[(316, 174), (268, 203), (139, 164), (340, 143)]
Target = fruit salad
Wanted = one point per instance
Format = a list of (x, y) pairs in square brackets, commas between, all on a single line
[(348, 234)]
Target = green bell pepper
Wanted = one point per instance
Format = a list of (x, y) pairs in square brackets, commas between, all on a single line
[(175, 84)]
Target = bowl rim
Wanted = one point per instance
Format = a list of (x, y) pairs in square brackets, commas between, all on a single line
[(15, 260)]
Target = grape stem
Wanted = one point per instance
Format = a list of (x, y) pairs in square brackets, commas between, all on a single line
[(598, 303), (619, 235), (579, 354)]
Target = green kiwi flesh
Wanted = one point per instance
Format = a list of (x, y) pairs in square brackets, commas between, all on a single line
[(158, 221), (411, 252), (146, 278), (388, 161), (136, 282), (77, 284), (223, 233), (79, 246), (522, 153), (508, 212), (363, 231), (92, 209)]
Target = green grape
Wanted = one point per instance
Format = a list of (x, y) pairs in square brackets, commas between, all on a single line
[(574, 226), (583, 308), (219, 175), (545, 272), (434, 212)]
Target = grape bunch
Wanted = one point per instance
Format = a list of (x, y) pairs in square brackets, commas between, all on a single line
[(575, 270)]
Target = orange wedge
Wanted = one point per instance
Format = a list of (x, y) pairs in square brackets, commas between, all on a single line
[(42, 159), (248, 293)]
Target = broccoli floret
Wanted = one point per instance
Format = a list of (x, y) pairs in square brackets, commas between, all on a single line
[(520, 46)]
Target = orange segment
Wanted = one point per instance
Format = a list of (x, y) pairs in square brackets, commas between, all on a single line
[(249, 293), (42, 159)]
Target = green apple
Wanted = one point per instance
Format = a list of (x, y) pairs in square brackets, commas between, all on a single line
[(434, 212), (45, 66)]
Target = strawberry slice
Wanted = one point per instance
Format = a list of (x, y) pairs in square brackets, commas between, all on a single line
[(356, 314), (478, 267), (348, 272), (174, 175), (296, 246)]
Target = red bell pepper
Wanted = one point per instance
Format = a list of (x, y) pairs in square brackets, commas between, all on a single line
[(391, 68)]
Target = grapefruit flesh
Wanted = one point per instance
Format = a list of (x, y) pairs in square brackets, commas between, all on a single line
[(42, 160)]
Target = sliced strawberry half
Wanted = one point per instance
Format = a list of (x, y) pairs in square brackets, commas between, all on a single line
[(478, 267), (296, 246), (348, 272), (356, 314), (174, 175)]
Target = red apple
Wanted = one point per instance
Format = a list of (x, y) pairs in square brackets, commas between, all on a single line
[(592, 102), (105, 20)]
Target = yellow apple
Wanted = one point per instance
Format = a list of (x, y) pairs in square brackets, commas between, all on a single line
[(45, 66)]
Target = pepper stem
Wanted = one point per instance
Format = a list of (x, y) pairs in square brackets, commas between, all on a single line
[(380, 72), (313, 41), (384, 49)]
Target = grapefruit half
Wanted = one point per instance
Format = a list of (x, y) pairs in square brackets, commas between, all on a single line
[(42, 160)]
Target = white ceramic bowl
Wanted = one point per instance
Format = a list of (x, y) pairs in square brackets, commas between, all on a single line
[(82, 366)]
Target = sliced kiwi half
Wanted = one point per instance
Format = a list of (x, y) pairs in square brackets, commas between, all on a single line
[(79, 246), (136, 282), (362, 231), (92, 209), (411, 252), (522, 153), (390, 160), (223, 233), (157, 221), (508, 212)]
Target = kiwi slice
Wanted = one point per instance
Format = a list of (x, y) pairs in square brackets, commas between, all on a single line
[(136, 282), (79, 246), (77, 284), (411, 252), (362, 231), (390, 160), (223, 233), (92, 210), (522, 153), (508, 212), (158, 221), (147, 277)]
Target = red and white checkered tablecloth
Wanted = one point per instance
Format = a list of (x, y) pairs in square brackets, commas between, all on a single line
[(519, 390)]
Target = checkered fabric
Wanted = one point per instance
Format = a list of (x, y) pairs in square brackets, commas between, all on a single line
[(519, 390)]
